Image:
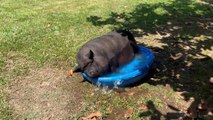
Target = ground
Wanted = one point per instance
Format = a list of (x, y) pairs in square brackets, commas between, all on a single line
[(39, 40)]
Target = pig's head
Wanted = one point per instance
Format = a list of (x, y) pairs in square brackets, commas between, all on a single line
[(88, 64)]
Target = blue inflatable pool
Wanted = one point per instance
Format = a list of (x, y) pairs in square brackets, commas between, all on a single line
[(128, 74)]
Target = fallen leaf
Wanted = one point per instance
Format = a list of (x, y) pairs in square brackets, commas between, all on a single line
[(93, 116), (186, 48), (188, 63), (92, 94), (128, 113), (154, 79), (131, 93), (109, 109), (139, 102), (69, 72), (177, 56), (210, 113), (176, 27), (49, 116), (169, 23), (211, 80), (143, 107), (201, 107), (157, 69), (178, 76)]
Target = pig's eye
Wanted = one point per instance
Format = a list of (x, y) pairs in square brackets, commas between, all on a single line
[(91, 72)]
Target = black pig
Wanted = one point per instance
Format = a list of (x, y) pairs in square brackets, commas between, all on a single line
[(106, 53)]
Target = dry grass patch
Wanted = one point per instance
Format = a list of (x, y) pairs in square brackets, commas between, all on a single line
[(45, 93)]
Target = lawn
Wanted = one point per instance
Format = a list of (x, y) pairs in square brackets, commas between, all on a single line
[(39, 40)]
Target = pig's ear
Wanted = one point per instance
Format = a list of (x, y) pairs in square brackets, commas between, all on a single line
[(90, 55)]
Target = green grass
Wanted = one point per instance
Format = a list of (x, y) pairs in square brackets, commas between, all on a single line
[(145, 94), (51, 31), (5, 111)]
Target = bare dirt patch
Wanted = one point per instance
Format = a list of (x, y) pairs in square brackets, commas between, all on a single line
[(46, 93)]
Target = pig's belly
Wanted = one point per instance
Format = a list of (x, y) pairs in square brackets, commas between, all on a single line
[(126, 55)]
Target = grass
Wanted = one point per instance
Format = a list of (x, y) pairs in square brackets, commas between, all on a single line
[(138, 98), (5, 110), (46, 31), (51, 32)]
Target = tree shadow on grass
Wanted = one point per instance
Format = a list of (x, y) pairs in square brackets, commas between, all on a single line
[(185, 62), (152, 112)]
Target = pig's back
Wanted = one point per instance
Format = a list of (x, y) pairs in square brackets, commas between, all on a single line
[(109, 45)]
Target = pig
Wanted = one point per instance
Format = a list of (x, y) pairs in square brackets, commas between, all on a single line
[(106, 53)]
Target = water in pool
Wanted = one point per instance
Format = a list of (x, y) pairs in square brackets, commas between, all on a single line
[(133, 65)]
